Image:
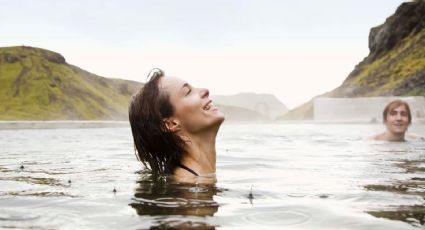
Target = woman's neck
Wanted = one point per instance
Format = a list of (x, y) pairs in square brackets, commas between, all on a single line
[(200, 154)]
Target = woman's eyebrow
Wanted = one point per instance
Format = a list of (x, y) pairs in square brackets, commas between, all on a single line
[(185, 89), (186, 85)]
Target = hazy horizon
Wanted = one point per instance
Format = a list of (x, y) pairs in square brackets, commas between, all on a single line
[(293, 50)]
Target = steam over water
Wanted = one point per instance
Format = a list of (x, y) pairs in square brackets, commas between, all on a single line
[(296, 176)]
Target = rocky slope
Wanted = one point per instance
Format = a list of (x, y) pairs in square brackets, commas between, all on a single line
[(395, 65), (37, 84)]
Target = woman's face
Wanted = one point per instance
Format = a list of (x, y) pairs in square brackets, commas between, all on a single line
[(194, 112)]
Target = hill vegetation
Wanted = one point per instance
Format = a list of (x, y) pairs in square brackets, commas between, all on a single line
[(37, 84)]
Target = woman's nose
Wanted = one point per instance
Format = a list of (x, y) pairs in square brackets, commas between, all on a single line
[(205, 93)]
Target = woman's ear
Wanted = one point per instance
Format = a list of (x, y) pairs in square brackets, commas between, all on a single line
[(172, 125)]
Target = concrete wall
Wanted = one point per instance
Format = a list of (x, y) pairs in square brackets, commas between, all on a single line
[(363, 109)]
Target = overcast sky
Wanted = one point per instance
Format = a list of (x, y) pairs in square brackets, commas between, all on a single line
[(292, 49)]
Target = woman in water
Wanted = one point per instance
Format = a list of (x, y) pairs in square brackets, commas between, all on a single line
[(174, 128)]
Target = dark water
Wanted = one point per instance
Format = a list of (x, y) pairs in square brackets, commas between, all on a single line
[(293, 176)]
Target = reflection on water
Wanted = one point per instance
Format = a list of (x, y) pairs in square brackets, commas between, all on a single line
[(414, 186), (163, 196), (35, 180), (36, 194), (414, 215)]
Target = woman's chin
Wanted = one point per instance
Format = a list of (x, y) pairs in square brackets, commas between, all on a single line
[(220, 116), (217, 114)]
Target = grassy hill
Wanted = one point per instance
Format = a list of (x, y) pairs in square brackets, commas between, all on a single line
[(37, 84), (395, 65)]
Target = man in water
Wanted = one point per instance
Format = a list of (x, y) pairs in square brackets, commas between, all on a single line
[(397, 118)]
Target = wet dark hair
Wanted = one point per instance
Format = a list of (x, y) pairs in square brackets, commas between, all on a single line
[(394, 104), (155, 146)]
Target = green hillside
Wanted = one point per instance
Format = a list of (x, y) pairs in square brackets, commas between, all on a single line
[(37, 84), (395, 65)]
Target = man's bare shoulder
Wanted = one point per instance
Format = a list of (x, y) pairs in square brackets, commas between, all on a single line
[(415, 137), (378, 137)]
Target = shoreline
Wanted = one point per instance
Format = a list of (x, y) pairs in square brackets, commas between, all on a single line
[(59, 124), (78, 124)]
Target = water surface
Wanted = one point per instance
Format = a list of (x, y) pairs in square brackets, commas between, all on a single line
[(298, 176)]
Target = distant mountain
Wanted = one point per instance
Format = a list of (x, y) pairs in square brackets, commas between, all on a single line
[(266, 105), (395, 65), (233, 113), (38, 84)]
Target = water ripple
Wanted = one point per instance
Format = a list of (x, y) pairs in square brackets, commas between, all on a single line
[(275, 217)]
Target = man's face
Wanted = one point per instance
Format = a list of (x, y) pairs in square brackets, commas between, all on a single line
[(397, 120)]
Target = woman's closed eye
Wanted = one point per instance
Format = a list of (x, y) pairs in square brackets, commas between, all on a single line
[(188, 89)]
